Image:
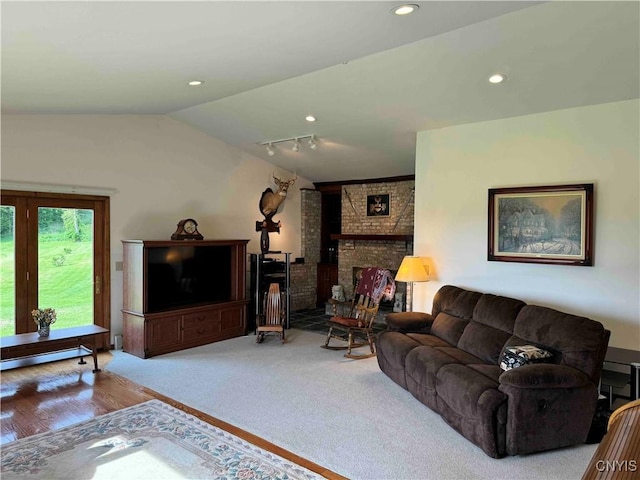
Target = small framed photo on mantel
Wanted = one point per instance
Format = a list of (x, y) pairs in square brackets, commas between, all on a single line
[(547, 224), (378, 205)]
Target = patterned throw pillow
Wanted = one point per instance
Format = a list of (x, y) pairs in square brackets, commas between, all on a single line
[(514, 357)]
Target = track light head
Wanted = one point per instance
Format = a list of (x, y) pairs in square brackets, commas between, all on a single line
[(296, 146), (312, 142), (270, 151)]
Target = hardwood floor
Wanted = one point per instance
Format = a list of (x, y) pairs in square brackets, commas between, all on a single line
[(48, 397)]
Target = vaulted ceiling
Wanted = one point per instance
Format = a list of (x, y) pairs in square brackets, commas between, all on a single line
[(371, 78)]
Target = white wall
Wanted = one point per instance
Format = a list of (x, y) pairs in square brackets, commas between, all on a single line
[(162, 171), (599, 144)]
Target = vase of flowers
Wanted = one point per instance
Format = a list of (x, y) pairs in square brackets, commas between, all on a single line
[(44, 318)]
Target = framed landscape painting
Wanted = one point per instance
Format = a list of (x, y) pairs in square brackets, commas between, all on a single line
[(551, 224)]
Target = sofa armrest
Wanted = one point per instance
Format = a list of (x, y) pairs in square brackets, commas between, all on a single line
[(544, 375), (405, 322), (548, 406)]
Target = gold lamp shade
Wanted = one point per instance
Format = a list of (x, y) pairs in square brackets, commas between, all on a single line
[(411, 270)]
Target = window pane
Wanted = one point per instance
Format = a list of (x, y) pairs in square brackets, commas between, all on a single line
[(65, 264), (7, 271)]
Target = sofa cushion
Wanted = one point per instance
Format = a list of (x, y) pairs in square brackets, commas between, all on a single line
[(491, 371), (467, 391), (396, 346), (422, 365), (408, 322), (492, 325), (517, 356), (448, 327), (459, 355), (575, 339), (428, 340), (497, 312), (455, 301), (483, 341)]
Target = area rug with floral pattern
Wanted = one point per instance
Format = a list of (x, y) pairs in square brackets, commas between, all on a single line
[(152, 440)]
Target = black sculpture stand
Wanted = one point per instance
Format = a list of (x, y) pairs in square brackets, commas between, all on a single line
[(266, 226)]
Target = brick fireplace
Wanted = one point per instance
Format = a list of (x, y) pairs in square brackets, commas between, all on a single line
[(375, 240), (364, 240)]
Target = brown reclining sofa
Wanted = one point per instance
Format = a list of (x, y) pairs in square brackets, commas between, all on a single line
[(450, 360)]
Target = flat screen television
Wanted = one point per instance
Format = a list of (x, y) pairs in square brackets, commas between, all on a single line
[(185, 276)]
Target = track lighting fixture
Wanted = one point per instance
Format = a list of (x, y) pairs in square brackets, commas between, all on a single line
[(312, 141)]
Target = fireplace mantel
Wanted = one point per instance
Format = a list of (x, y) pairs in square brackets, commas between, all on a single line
[(372, 237)]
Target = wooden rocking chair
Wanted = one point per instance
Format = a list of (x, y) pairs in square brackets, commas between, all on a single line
[(352, 322), (273, 318)]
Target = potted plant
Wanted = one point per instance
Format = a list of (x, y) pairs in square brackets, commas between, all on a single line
[(44, 318)]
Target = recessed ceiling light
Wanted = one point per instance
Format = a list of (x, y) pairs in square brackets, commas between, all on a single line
[(497, 78), (405, 9), (310, 118), (195, 83)]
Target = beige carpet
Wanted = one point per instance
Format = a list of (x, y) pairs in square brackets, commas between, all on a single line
[(345, 415), (152, 440)]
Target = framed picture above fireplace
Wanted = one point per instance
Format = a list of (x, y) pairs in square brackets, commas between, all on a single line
[(378, 205), (545, 224)]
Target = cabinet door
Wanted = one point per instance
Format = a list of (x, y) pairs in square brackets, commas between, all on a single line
[(163, 334), (232, 321), (327, 277)]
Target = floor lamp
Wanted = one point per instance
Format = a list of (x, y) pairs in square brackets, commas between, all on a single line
[(411, 270)]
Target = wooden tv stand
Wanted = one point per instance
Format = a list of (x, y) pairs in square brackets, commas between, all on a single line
[(147, 333), (27, 349)]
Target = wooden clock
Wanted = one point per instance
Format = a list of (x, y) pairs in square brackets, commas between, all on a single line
[(187, 230)]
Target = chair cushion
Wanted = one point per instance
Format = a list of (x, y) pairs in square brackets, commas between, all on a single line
[(347, 322), (271, 328)]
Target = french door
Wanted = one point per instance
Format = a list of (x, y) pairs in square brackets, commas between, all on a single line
[(54, 253)]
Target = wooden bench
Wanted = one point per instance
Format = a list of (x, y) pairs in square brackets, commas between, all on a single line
[(27, 349)]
